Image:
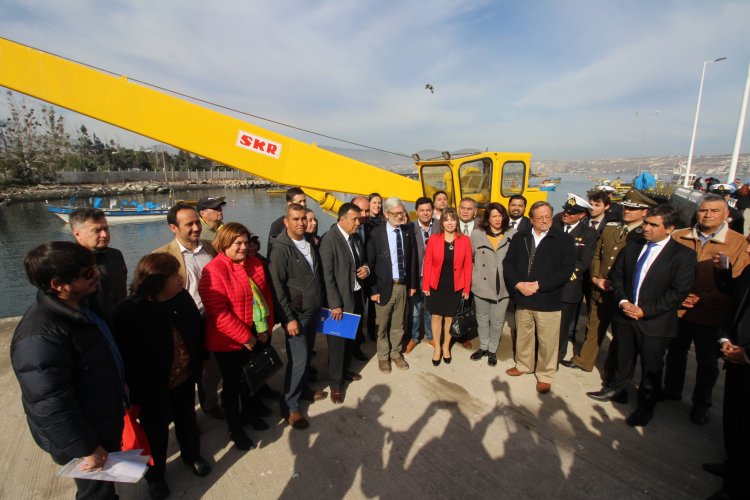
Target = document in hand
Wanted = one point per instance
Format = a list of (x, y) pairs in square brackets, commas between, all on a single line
[(345, 327), (121, 467)]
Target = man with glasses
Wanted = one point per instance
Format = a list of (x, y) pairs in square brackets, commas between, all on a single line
[(393, 262), (536, 268)]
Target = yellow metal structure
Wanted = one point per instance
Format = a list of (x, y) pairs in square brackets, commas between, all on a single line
[(239, 144)]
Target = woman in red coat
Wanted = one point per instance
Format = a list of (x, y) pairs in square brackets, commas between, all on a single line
[(446, 279), (239, 313)]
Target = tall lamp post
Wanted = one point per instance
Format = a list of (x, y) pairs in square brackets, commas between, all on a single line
[(695, 125)]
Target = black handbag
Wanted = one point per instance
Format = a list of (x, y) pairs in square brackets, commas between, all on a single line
[(264, 362), (464, 322)]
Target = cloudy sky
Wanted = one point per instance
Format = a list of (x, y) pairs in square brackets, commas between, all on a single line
[(565, 80)]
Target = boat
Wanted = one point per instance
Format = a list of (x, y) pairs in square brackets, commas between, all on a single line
[(548, 185), (127, 212)]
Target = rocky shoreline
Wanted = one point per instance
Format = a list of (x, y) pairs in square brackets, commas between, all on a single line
[(60, 191)]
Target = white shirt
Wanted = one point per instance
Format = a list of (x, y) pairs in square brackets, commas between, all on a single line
[(462, 225), (538, 238), (195, 261), (392, 246), (357, 286), (304, 248), (569, 227), (656, 249)]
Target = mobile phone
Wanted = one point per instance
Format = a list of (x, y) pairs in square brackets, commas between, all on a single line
[(724, 261)]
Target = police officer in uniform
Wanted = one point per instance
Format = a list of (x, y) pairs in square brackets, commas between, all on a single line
[(602, 307)]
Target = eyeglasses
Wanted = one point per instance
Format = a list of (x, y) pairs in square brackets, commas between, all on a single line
[(89, 273), (398, 214), (542, 217)]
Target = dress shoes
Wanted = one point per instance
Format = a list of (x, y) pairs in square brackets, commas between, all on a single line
[(400, 363), (543, 387), (699, 416), (569, 364), (297, 421), (609, 395), (491, 359), (448, 359), (514, 372), (314, 395), (384, 365), (410, 346), (216, 412), (359, 355), (717, 469), (479, 354), (199, 466), (337, 396), (467, 344), (352, 376), (158, 489), (639, 418), (240, 439), (436, 362)]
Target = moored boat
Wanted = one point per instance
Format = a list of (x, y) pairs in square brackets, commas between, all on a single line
[(134, 212)]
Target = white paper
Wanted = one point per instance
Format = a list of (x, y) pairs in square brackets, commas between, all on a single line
[(121, 467)]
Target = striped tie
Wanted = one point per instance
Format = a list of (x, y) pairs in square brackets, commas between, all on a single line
[(400, 256)]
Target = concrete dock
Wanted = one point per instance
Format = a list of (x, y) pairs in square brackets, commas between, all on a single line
[(464, 430)]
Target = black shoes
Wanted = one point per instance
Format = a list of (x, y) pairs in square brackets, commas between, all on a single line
[(477, 355), (436, 362), (241, 441), (640, 417), (491, 359), (569, 364), (199, 466), (447, 360), (699, 416), (610, 395), (158, 489), (359, 355)]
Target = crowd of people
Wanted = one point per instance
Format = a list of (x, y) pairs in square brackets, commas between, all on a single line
[(199, 308)]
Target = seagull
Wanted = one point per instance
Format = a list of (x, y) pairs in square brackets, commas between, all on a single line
[(430, 88)]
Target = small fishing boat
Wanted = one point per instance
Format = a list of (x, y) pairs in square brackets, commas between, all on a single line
[(126, 212), (547, 186)]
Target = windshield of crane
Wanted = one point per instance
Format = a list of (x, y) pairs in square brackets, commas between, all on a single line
[(474, 177), (514, 173), (437, 178)]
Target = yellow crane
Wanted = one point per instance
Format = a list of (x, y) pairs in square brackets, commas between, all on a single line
[(489, 176)]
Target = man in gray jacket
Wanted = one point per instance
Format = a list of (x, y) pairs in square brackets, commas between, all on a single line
[(298, 285)]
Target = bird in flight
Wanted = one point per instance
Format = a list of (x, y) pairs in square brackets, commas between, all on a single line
[(430, 88)]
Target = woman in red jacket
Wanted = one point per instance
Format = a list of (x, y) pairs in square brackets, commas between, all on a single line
[(239, 313), (446, 279)]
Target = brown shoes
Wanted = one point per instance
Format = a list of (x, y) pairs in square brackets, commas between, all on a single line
[(514, 372), (337, 396), (400, 363), (467, 344), (543, 387), (410, 347), (384, 365), (352, 376), (297, 421), (314, 395)]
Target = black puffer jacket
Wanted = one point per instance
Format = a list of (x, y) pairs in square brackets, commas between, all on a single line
[(71, 390)]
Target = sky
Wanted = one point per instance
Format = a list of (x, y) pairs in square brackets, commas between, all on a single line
[(565, 80)]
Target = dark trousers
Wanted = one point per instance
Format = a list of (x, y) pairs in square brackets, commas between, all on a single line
[(631, 343), (95, 490), (340, 349), (155, 418), (232, 395), (706, 356), (736, 416), (568, 316), (298, 351)]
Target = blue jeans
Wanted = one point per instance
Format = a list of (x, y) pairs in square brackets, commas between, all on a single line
[(417, 308)]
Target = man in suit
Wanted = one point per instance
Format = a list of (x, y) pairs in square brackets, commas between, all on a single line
[(572, 222), (538, 264), (650, 280), (424, 227), (599, 214), (91, 231), (602, 306), (298, 285), (516, 209), (393, 261), (293, 195), (467, 214), (706, 307), (363, 202), (194, 254), (343, 259)]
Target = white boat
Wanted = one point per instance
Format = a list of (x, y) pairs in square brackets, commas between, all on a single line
[(148, 212)]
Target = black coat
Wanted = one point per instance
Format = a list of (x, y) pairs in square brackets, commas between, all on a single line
[(339, 270), (666, 284), (379, 260), (298, 289), (112, 286), (143, 330), (71, 391), (584, 239), (553, 265)]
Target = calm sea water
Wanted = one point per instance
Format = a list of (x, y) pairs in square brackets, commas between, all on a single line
[(23, 226)]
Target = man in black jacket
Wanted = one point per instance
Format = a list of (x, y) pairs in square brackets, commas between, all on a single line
[(538, 264), (91, 231), (293, 195), (298, 287), (68, 366)]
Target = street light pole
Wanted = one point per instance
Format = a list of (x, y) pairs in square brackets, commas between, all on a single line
[(695, 125)]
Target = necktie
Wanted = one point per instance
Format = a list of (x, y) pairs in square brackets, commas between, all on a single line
[(624, 231), (513, 224), (567, 228), (400, 256), (466, 229), (639, 268), (426, 235), (594, 223), (355, 252)]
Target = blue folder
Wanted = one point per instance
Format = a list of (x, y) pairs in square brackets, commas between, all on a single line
[(346, 327)]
